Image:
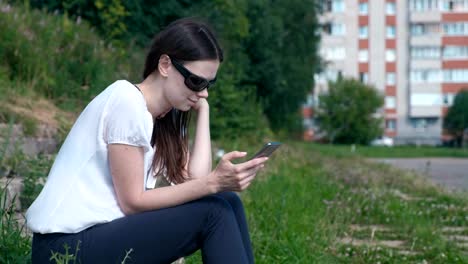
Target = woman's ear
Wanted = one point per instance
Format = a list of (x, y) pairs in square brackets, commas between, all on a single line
[(164, 65)]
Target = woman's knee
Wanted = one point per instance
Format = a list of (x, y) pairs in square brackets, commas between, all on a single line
[(233, 199), (216, 206)]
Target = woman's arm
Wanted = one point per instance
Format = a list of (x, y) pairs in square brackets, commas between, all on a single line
[(127, 169), (200, 162)]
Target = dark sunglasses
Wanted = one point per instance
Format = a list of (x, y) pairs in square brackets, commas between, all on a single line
[(192, 81)]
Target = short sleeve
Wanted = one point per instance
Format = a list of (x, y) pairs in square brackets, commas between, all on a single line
[(126, 121)]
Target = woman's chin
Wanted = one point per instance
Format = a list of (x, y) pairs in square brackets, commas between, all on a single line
[(184, 108)]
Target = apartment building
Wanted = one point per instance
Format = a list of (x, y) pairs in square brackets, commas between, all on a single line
[(415, 52)]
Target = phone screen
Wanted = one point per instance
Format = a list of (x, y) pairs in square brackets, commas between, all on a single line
[(267, 150)]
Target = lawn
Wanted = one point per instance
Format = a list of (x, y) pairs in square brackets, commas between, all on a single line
[(321, 204), (310, 206)]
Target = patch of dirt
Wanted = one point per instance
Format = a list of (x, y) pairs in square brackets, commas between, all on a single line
[(38, 109), (371, 243), (369, 227), (451, 229)]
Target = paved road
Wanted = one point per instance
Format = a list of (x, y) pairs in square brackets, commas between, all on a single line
[(449, 172)]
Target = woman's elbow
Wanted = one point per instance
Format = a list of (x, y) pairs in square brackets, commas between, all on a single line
[(129, 207)]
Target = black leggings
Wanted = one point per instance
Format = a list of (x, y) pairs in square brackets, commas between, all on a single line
[(215, 224)]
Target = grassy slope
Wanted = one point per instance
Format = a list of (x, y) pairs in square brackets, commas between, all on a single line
[(308, 203)]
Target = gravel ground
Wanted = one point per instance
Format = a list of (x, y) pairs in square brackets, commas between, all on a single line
[(449, 172)]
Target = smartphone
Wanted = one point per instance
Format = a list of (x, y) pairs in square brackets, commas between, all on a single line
[(267, 150)]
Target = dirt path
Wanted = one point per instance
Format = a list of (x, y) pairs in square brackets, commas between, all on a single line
[(449, 172)]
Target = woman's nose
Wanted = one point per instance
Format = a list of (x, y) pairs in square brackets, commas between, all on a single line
[(203, 93)]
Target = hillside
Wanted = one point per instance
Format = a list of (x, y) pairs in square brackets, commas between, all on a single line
[(43, 77)]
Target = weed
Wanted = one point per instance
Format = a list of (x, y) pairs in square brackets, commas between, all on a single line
[(15, 247)]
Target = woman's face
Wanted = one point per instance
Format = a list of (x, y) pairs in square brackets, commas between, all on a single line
[(178, 94)]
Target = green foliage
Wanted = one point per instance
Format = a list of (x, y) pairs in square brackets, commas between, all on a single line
[(106, 15), (346, 112), (55, 56), (15, 247), (271, 47), (456, 120), (111, 14), (282, 48), (67, 257), (34, 171), (235, 114)]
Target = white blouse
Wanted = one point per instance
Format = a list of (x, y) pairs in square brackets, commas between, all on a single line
[(79, 192)]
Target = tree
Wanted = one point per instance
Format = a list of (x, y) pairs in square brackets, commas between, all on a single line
[(282, 48), (456, 120), (347, 112), (270, 48)]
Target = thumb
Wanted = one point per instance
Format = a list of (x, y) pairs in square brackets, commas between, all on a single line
[(234, 155)]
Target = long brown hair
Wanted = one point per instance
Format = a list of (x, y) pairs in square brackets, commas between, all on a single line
[(186, 39)]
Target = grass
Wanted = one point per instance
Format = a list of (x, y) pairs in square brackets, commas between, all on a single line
[(15, 247), (32, 37), (316, 205), (388, 152)]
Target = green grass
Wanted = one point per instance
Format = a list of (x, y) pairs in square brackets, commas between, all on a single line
[(55, 57), (388, 152), (307, 201)]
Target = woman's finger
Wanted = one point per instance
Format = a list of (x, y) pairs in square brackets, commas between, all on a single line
[(250, 164), (247, 179)]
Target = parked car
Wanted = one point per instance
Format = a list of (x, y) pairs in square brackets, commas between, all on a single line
[(383, 141)]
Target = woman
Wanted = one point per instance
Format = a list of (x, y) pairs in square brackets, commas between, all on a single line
[(98, 195)]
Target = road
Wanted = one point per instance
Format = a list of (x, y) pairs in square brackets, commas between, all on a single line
[(449, 172)]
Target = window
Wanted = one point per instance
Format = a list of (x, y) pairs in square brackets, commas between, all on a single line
[(426, 99), (363, 56), (455, 52), (390, 8), (330, 74), (390, 55), (364, 77), (390, 31), (326, 5), (363, 8), (334, 53), (338, 6), (456, 75), (338, 29), (390, 78), (425, 52), (456, 29), (363, 32), (390, 102), (448, 99), (455, 5), (418, 29), (390, 124), (423, 5), (334, 29), (420, 124), (426, 75)]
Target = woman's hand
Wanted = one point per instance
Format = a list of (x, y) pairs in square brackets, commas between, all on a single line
[(201, 104), (235, 177)]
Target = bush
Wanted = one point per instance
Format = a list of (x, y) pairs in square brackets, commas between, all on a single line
[(346, 112), (55, 56)]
